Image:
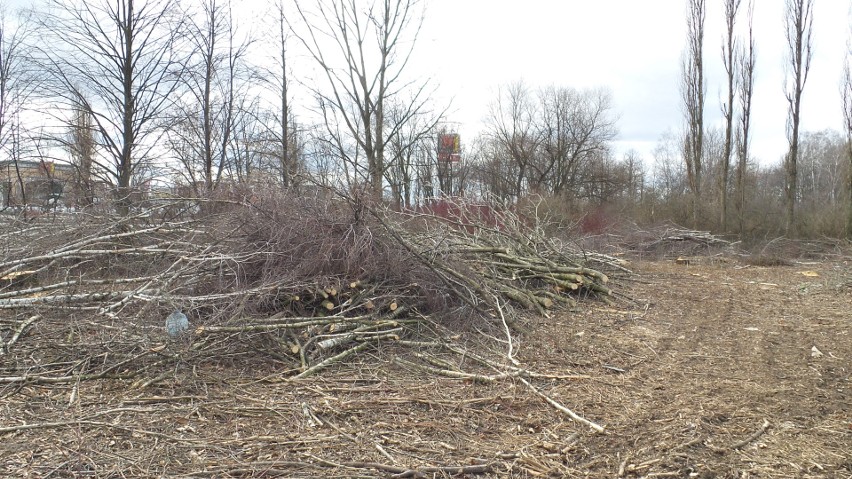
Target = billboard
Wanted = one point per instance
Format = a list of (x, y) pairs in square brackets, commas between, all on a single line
[(449, 147)]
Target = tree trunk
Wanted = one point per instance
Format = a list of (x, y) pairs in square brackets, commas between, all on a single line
[(849, 206), (692, 89), (746, 89), (125, 169), (799, 22), (285, 107), (731, 7)]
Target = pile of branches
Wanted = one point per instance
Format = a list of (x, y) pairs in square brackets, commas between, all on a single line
[(305, 280), (667, 240), (483, 255), (822, 249)]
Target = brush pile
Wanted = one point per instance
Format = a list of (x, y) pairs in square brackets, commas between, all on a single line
[(307, 281)]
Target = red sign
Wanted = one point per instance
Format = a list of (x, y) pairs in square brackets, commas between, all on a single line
[(449, 147)]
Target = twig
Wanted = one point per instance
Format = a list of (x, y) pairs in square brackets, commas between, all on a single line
[(385, 453), (329, 361), (511, 353), (36, 379), (562, 408), (15, 303), (623, 466), (58, 379), (753, 436), (153, 380), (516, 370), (18, 332), (452, 470), (449, 373), (75, 283)]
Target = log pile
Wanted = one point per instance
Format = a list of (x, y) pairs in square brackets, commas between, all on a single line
[(307, 282)]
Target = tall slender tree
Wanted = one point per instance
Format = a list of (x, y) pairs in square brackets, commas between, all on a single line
[(798, 21), (846, 92), (729, 47), (693, 89), (278, 77), (81, 146), (746, 61)]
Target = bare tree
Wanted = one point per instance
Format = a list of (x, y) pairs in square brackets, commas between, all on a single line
[(282, 128), (249, 134), (404, 150), (798, 20), (847, 116), (363, 51), (729, 46), (669, 183), (321, 159), (118, 62), (451, 172), (575, 127), (693, 90), (511, 124), (822, 155), (494, 171), (555, 141), (18, 82), (17, 79), (427, 166), (746, 61), (635, 176), (212, 85), (15, 152)]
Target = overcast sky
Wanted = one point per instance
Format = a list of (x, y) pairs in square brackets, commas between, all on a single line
[(469, 48), (634, 47)]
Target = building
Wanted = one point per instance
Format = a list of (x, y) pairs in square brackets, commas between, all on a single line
[(45, 183)]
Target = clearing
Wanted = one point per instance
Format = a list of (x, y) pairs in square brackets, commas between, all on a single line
[(730, 371)]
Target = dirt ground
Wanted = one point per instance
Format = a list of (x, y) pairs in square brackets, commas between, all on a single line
[(720, 370)]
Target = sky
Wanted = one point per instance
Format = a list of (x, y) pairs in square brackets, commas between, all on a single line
[(469, 48)]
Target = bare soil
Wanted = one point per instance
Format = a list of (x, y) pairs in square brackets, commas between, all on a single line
[(721, 370)]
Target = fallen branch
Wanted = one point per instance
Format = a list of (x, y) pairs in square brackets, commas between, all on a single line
[(511, 353), (17, 334), (562, 408), (329, 361), (449, 373), (756, 434), (15, 303)]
